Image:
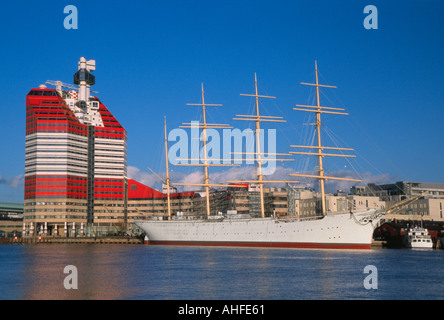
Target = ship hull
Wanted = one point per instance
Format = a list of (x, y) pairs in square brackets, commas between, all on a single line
[(336, 231), (295, 245), (428, 245)]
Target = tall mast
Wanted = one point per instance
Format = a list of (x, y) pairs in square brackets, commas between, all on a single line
[(204, 132), (258, 119), (167, 170), (167, 179), (204, 125), (318, 109)]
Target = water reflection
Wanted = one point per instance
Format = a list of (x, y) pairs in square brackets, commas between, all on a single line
[(117, 272), (101, 272)]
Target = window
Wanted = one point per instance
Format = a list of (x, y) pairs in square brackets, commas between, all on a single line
[(440, 209), (51, 93)]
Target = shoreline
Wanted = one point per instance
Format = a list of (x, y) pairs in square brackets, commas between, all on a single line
[(73, 240)]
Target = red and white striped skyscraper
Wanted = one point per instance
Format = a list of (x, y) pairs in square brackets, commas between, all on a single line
[(75, 163)]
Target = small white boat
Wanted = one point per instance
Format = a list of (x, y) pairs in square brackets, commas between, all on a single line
[(418, 238)]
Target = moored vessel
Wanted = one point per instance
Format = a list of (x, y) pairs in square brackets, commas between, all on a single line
[(418, 238), (339, 231), (349, 230)]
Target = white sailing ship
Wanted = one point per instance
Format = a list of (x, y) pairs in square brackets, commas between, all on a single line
[(351, 230)]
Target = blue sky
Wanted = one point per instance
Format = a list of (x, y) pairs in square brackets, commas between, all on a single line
[(152, 57)]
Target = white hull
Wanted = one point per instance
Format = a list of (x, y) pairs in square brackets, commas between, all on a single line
[(332, 231), (420, 245)]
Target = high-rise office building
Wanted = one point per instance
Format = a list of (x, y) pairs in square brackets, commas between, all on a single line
[(75, 163)]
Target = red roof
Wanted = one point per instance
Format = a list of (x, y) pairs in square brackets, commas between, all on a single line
[(137, 190)]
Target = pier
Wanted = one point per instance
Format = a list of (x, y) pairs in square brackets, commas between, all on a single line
[(73, 240)]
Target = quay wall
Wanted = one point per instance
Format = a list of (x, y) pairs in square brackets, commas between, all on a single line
[(74, 240)]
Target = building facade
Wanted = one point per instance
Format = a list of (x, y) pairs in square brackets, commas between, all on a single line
[(400, 190), (75, 159), (11, 219), (428, 207), (144, 201)]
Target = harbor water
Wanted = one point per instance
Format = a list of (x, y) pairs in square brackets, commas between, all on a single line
[(133, 272)]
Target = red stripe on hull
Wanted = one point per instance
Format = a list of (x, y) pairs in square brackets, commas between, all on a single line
[(264, 244)]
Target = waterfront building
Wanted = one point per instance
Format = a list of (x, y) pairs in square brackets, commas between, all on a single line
[(424, 208), (144, 201), (75, 159), (400, 190), (11, 210), (308, 203), (427, 207), (11, 219)]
